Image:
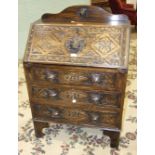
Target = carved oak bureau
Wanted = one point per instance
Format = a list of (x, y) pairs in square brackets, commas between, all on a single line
[(76, 67)]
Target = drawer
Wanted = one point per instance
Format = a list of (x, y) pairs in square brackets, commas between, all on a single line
[(108, 79), (75, 96), (72, 115)]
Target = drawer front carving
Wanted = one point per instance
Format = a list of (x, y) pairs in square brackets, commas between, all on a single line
[(105, 80), (72, 115), (76, 96)]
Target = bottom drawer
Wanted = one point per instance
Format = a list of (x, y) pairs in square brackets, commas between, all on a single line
[(106, 119)]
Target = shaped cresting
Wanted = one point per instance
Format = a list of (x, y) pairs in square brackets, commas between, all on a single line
[(80, 35)]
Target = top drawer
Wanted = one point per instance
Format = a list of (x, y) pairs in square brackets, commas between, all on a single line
[(108, 79)]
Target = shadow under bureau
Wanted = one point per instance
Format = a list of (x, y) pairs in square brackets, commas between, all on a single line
[(76, 67)]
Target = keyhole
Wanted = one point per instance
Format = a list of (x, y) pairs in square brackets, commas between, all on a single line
[(73, 100), (83, 12)]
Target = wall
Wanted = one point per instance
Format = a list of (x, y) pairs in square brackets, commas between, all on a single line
[(134, 2), (31, 10)]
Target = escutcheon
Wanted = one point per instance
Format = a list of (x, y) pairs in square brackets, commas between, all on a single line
[(75, 44)]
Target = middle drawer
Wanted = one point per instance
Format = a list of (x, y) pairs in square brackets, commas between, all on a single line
[(73, 95)]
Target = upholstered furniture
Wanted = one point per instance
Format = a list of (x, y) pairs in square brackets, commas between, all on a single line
[(76, 65), (100, 3), (120, 7)]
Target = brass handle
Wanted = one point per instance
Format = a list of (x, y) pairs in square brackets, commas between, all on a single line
[(53, 112), (50, 75), (96, 78), (74, 100), (52, 93), (95, 97), (49, 93), (94, 117)]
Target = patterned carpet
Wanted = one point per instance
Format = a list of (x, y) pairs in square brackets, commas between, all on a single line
[(72, 140)]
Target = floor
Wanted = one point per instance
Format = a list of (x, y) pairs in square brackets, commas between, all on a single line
[(74, 140)]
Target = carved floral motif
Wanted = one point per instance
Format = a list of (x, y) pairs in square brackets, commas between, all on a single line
[(76, 115), (98, 45), (101, 79)]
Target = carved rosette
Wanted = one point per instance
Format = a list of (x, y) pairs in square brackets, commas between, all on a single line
[(74, 77)]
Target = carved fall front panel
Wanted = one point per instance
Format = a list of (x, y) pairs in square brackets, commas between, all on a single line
[(98, 45)]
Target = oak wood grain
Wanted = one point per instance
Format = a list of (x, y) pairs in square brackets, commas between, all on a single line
[(74, 94)]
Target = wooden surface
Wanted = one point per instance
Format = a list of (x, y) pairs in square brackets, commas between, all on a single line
[(74, 94), (88, 44), (84, 14), (77, 115), (109, 111), (98, 78)]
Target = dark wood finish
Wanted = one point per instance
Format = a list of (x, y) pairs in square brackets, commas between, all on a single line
[(44, 115), (73, 95), (71, 115), (98, 78), (114, 138), (84, 95), (38, 127), (84, 14)]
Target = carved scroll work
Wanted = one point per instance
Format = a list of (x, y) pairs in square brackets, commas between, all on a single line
[(75, 115), (77, 96), (95, 45)]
